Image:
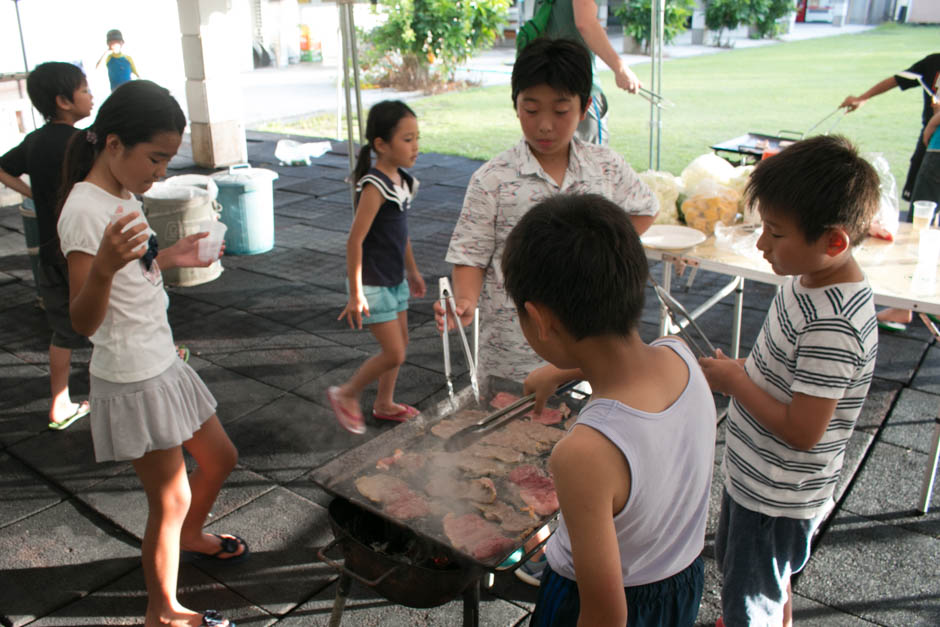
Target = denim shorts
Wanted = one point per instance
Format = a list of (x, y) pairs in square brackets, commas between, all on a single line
[(756, 555), (385, 303), (672, 601)]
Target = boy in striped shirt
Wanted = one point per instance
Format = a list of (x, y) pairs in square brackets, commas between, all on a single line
[(796, 398)]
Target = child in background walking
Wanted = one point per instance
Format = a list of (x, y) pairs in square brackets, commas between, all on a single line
[(146, 403), (59, 91), (380, 265)]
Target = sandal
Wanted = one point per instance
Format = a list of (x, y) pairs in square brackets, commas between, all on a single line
[(214, 618), (402, 415), (183, 353), (81, 411), (228, 544)]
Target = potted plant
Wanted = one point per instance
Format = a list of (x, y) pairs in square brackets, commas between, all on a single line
[(635, 16)]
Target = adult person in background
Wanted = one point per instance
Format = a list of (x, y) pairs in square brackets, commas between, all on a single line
[(577, 20), (929, 69)]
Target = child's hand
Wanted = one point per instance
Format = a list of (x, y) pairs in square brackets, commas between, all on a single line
[(185, 253), (542, 381), (722, 372), (416, 285), (119, 247), (355, 309), (464, 312)]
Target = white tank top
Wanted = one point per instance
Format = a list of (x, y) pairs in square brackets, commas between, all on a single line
[(661, 529)]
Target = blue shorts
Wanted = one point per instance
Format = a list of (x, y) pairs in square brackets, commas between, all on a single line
[(756, 555), (672, 601), (385, 303)]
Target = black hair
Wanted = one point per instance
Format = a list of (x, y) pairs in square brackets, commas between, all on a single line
[(47, 81), (383, 119), (134, 112), (820, 182), (562, 64), (579, 256)]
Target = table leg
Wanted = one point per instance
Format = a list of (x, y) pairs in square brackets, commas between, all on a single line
[(664, 323), (931, 473)]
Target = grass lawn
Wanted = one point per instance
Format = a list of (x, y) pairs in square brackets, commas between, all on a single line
[(785, 86)]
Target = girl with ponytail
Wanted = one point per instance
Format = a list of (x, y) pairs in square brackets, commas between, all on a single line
[(146, 404), (380, 265)]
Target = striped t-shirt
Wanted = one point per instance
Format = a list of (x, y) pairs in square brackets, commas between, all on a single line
[(820, 342)]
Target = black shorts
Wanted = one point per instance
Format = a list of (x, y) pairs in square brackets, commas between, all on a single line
[(54, 290)]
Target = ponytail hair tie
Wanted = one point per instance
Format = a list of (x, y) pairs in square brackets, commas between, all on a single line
[(91, 137)]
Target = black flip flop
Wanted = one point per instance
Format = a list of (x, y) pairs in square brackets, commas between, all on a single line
[(229, 545), (214, 618)]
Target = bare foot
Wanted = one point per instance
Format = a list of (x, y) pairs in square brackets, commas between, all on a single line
[(892, 314)]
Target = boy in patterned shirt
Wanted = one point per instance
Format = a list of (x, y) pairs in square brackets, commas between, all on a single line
[(796, 398), (551, 90)]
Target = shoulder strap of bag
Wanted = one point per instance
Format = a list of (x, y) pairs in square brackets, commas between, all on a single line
[(533, 28)]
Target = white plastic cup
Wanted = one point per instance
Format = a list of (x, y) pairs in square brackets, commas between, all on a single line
[(923, 213), (210, 246)]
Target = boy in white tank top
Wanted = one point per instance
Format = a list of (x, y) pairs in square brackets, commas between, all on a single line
[(633, 474)]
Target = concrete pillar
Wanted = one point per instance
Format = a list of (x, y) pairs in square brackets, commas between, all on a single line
[(213, 95)]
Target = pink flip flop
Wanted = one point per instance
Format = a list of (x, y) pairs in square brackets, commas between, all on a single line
[(401, 416), (347, 420)]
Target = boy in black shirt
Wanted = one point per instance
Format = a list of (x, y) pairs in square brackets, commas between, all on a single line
[(59, 91)]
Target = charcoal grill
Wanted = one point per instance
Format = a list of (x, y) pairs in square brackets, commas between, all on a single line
[(753, 146), (409, 562)]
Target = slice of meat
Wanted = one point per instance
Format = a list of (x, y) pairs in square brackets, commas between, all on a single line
[(503, 399), (481, 490), (515, 440), (473, 535), (536, 489), (462, 419), (479, 466), (397, 499), (387, 462), (509, 518), (500, 453), (379, 488), (538, 432)]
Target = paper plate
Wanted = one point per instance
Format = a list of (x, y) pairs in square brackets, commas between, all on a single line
[(672, 237)]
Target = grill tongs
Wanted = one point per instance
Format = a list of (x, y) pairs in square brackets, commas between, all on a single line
[(497, 419), (447, 300), (676, 313)]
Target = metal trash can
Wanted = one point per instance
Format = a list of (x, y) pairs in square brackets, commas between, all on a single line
[(175, 211), (247, 198)]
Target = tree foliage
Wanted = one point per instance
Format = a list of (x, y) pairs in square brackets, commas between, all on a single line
[(765, 13), (419, 36), (721, 15), (634, 15)]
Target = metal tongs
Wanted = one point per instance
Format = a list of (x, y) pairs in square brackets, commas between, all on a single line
[(654, 98), (447, 301), (834, 124), (676, 313)]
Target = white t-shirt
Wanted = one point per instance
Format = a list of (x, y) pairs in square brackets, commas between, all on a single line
[(134, 341), (820, 342), (499, 194), (661, 529)]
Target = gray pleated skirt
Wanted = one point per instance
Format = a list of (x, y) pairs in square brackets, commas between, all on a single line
[(131, 419)]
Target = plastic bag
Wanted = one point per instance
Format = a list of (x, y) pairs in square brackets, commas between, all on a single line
[(740, 239), (709, 203), (666, 187), (885, 222), (707, 166), (290, 152)]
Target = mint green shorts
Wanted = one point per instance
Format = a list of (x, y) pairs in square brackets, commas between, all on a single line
[(385, 303)]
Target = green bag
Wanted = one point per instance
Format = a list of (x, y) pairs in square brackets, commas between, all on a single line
[(534, 28)]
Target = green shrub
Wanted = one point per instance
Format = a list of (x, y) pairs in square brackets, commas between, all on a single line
[(634, 15), (725, 14), (765, 13), (419, 36)]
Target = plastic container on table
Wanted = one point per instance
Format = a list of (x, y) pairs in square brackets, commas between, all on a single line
[(247, 198)]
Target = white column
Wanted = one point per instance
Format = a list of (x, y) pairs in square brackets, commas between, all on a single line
[(211, 60)]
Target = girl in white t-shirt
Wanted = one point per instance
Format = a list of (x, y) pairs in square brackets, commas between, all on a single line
[(147, 404)]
